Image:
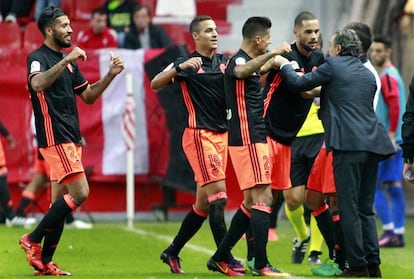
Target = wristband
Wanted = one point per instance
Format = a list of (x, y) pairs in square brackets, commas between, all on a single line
[(178, 69)]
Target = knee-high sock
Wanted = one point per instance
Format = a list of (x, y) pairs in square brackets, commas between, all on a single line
[(340, 254), (189, 227), (5, 200), (382, 207), (259, 223), (51, 242), (57, 213), (238, 226), (27, 198), (324, 220), (298, 222), (316, 240), (397, 208), (216, 218), (250, 243)]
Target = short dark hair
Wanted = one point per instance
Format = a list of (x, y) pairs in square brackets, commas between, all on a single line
[(47, 18), (363, 32), (99, 11), (384, 39), (349, 42), (305, 15), (195, 23), (139, 7), (255, 25)]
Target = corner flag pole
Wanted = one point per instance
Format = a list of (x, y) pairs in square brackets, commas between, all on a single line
[(128, 130)]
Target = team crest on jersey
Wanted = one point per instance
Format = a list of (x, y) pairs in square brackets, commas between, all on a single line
[(35, 66), (240, 61), (70, 67), (222, 68)]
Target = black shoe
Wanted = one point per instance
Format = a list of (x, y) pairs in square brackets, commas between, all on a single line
[(374, 271), (355, 272), (299, 250)]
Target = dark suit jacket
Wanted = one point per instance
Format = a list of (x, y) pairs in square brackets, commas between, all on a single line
[(158, 38), (408, 125), (347, 113)]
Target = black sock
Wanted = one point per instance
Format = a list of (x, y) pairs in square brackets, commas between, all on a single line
[(239, 224), (339, 240), (70, 218), (5, 197), (56, 214), (51, 242), (24, 202), (325, 225), (259, 223), (191, 224), (250, 243), (216, 218)]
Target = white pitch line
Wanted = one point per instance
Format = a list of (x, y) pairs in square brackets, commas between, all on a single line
[(169, 239), (193, 247)]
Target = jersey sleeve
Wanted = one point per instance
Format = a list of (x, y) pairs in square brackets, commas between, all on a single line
[(79, 82), (35, 65)]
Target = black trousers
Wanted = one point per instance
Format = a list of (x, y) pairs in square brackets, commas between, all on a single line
[(355, 177)]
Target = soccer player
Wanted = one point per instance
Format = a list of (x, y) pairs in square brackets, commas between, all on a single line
[(248, 148), (389, 195), (205, 138), (54, 81)]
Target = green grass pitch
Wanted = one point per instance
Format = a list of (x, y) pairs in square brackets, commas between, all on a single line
[(110, 250)]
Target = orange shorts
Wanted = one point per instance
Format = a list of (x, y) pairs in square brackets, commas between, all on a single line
[(321, 178), (206, 152), (251, 164), (64, 159), (40, 165), (280, 164)]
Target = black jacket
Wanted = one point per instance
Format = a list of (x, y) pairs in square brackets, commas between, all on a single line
[(158, 38), (347, 114)]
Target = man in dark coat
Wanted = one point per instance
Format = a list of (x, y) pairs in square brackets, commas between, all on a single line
[(144, 34), (356, 138)]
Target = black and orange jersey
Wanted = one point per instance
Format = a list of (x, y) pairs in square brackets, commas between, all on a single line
[(203, 93), (56, 114), (244, 101), (286, 111), (5, 133)]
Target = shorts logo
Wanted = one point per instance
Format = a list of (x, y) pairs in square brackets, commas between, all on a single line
[(266, 166), (215, 164)]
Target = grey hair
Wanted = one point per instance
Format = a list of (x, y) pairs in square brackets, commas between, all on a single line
[(349, 42)]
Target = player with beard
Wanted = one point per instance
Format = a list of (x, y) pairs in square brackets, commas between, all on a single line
[(285, 113), (54, 81)]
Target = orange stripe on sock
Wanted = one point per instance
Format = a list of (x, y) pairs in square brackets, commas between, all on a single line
[(29, 195), (217, 196), (262, 207), (321, 209), (69, 201), (245, 210), (336, 218), (199, 212)]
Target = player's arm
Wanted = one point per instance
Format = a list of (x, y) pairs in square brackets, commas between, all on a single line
[(163, 78), (7, 135), (95, 90), (42, 81), (310, 94), (253, 65), (389, 86)]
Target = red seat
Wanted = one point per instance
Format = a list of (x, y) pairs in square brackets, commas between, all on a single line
[(32, 38), (68, 6), (214, 8), (84, 8), (11, 37), (77, 26)]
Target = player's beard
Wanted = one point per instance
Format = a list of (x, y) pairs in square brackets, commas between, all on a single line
[(306, 47), (60, 42)]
